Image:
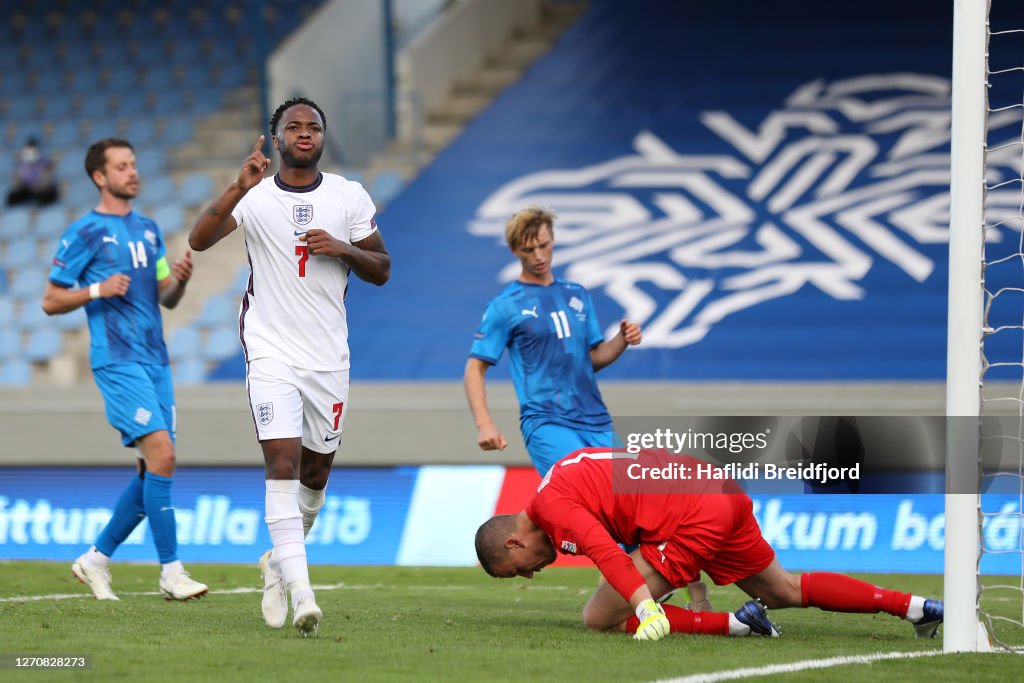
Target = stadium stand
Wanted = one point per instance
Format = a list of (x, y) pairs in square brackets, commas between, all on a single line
[(69, 74), (678, 208)]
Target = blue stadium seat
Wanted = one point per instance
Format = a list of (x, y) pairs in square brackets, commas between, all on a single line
[(184, 344), (92, 107), (130, 106), (3, 286), (15, 223), (23, 107), (58, 105), (50, 80), (51, 222), (157, 190), (71, 321), (81, 191), (189, 373), (15, 80), (71, 165), (169, 103), (206, 101), (10, 345), (220, 345), (32, 317), (103, 126), (217, 311), (21, 252), (87, 81), (149, 161), (65, 133), (6, 313), (140, 132), (196, 189), (386, 186), (42, 345), (159, 76), (28, 286), (177, 131), (170, 218), (15, 373)]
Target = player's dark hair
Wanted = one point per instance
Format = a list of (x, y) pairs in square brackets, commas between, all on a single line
[(279, 112), (96, 157), (490, 541)]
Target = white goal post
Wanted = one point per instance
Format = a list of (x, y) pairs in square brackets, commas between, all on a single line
[(962, 630)]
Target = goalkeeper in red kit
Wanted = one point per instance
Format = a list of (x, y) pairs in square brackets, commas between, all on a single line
[(592, 500)]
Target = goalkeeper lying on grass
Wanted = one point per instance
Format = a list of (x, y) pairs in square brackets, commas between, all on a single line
[(590, 502)]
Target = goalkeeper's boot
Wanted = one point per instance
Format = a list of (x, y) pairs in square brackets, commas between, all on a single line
[(928, 625), (181, 586), (307, 616), (755, 615), (96, 578), (275, 596)]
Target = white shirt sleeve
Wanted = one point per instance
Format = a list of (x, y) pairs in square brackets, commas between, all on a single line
[(361, 222)]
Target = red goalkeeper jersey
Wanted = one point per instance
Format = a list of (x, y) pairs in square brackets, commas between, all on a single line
[(594, 499)]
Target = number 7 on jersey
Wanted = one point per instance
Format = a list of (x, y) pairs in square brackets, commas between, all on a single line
[(302, 251)]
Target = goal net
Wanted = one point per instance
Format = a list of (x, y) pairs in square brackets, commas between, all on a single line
[(984, 582)]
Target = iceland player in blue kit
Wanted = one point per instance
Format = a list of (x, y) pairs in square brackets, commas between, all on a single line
[(117, 259), (555, 346)]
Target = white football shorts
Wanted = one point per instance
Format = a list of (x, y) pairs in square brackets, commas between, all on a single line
[(289, 402)]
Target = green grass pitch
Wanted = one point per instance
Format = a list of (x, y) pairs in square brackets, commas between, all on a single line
[(429, 624)]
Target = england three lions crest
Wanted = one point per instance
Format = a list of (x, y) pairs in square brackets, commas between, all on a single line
[(265, 413), (302, 214)]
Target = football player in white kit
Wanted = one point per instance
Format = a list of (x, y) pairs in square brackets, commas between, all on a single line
[(304, 232)]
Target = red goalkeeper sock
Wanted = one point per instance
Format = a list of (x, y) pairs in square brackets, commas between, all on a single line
[(684, 621), (841, 593)]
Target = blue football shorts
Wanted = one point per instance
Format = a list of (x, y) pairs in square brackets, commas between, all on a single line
[(139, 399), (551, 442)]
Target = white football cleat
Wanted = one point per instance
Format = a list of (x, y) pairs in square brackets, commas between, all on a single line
[(96, 578), (275, 596), (180, 586), (307, 616)]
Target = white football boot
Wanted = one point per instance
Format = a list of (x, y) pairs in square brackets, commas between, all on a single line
[(180, 586), (96, 578), (307, 616), (275, 596)]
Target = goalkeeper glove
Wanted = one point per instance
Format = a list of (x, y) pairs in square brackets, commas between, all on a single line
[(653, 622)]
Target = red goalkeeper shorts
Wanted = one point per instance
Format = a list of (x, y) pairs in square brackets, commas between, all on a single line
[(721, 538)]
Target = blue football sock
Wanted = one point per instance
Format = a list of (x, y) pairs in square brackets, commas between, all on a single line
[(157, 494), (128, 512)]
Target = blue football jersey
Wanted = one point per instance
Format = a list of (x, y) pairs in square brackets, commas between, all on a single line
[(549, 332), (125, 328)]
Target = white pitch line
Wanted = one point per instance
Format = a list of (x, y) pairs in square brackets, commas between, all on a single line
[(246, 589), (806, 665)]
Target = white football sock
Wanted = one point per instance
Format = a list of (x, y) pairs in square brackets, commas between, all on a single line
[(310, 502), (284, 520), (172, 568), (737, 627), (916, 609), (95, 558)]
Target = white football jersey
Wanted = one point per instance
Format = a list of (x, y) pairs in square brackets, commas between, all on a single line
[(294, 307)]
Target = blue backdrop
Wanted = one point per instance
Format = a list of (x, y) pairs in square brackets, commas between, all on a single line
[(764, 186)]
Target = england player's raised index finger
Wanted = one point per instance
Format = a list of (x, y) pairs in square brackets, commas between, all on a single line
[(259, 144)]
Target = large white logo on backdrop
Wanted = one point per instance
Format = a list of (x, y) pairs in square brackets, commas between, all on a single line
[(836, 201)]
